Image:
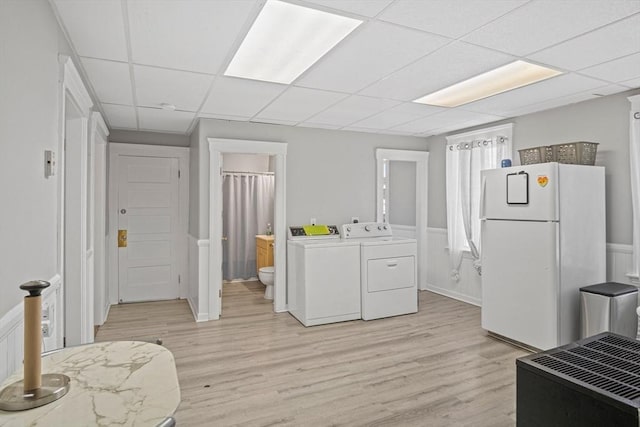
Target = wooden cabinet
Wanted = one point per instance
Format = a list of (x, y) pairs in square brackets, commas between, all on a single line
[(264, 251)]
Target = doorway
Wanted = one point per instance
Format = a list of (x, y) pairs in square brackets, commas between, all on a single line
[(401, 194), (148, 217), (277, 151), (248, 186)]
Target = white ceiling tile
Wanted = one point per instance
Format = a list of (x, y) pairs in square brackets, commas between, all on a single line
[(240, 97), (189, 34), (317, 125), (164, 121), (403, 113), (111, 80), (274, 121), (505, 103), (298, 104), (183, 89), (451, 118), (351, 110), (451, 64), (451, 18), (605, 44), (618, 70), (120, 116), (368, 55), (96, 28), (542, 23), (368, 8), (223, 117), (633, 83), (553, 103)]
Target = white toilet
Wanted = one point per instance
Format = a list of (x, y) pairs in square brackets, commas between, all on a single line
[(265, 274)]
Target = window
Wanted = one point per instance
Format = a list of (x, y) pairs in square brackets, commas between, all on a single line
[(466, 155)]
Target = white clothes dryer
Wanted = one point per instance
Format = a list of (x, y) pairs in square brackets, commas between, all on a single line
[(388, 270)]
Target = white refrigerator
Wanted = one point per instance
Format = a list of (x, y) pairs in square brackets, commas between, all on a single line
[(543, 237)]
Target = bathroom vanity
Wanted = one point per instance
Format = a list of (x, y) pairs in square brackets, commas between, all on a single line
[(264, 251)]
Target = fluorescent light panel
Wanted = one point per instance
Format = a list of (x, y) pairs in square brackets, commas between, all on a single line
[(287, 39), (502, 79)]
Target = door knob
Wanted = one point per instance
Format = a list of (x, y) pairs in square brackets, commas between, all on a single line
[(122, 238), (225, 238)]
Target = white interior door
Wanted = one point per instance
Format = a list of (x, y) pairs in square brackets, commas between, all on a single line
[(520, 281), (149, 214)]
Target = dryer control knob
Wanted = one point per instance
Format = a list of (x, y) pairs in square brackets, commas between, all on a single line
[(348, 228), (385, 227), (367, 228), (380, 227)]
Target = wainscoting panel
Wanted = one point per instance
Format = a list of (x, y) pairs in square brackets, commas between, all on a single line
[(12, 329), (198, 291), (469, 288)]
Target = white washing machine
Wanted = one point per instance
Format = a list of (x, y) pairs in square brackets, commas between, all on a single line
[(323, 277), (388, 270)]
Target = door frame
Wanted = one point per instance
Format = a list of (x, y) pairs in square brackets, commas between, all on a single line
[(217, 147), (421, 158), (77, 292), (99, 135), (116, 150)]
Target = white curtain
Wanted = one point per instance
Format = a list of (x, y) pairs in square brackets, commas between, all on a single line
[(464, 161), (247, 209), (634, 155)]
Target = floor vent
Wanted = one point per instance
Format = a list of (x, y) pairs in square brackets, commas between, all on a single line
[(610, 364), (589, 382)]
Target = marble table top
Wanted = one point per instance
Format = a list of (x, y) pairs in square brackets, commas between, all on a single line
[(124, 383)]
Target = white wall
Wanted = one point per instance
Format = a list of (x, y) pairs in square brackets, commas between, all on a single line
[(330, 174), (152, 138), (30, 41), (402, 193)]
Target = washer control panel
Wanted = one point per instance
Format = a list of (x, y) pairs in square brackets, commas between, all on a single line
[(366, 229), (299, 233)]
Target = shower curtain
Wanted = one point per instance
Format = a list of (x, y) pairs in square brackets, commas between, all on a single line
[(247, 209)]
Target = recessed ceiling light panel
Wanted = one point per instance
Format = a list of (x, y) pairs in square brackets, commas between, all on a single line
[(502, 79), (287, 39)]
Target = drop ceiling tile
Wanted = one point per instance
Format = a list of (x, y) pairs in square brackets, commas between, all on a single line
[(274, 122), (96, 28), (617, 70), (189, 34), (633, 83), (120, 116), (351, 110), (543, 23), (450, 118), (554, 103), (403, 113), (164, 121), (368, 8), (368, 55), (240, 97), (223, 117), (111, 80), (451, 18), (298, 104), (605, 44), (451, 64), (183, 89), (505, 103), (317, 125)]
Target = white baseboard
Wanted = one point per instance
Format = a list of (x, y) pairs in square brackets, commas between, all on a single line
[(453, 294)]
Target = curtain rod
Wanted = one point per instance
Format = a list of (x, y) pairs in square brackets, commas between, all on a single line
[(247, 173), (467, 145)]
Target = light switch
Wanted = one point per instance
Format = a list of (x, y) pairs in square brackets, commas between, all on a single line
[(49, 163)]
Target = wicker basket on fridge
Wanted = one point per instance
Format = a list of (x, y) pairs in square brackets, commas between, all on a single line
[(576, 153)]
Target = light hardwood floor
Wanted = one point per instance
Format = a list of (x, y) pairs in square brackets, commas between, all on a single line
[(258, 368)]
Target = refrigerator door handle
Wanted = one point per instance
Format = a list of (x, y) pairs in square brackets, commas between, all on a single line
[(483, 186)]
